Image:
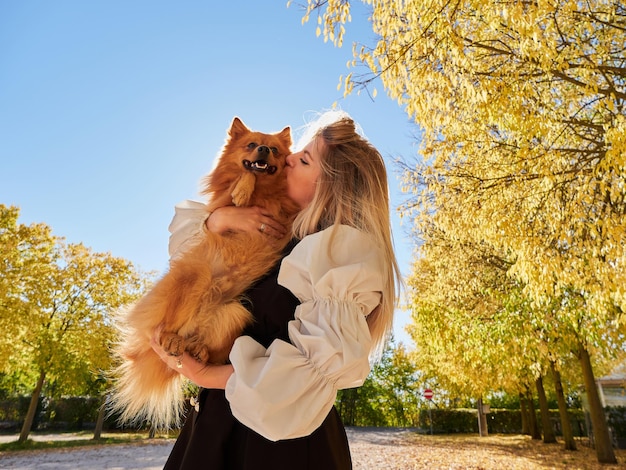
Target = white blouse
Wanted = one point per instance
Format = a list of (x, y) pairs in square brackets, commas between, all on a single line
[(186, 226), (287, 390)]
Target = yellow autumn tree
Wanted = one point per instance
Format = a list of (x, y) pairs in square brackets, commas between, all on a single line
[(476, 332), (521, 95), (55, 305), (521, 104), (468, 327)]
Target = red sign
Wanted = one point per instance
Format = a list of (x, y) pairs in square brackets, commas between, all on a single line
[(428, 394)]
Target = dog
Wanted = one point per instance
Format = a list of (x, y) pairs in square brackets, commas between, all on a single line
[(197, 303)]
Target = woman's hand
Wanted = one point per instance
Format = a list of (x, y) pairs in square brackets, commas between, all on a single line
[(206, 376), (244, 219)]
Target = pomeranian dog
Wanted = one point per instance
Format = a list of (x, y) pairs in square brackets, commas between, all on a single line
[(197, 303)]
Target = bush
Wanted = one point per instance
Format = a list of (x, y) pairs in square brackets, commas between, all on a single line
[(78, 413), (66, 413), (71, 413), (449, 421), (12, 412), (616, 417), (504, 421)]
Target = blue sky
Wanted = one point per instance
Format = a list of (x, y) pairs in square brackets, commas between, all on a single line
[(111, 111)]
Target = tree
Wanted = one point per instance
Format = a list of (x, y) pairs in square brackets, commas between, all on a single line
[(533, 425), (568, 435), (24, 252), (521, 104), (470, 322), (57, 307), (522, 107), (389, 396), (548, 431)]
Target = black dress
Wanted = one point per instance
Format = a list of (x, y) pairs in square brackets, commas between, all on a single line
[(213, 439)]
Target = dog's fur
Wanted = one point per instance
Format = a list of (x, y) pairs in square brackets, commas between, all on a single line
[(197, 302)]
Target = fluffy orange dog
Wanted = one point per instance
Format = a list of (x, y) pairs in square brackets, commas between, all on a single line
[(197, 302)]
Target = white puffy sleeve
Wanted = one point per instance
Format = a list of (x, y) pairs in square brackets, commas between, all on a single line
[(287, 390), (186, 226)]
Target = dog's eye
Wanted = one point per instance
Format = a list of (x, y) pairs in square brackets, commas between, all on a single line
[(274, 150), (252, 145)]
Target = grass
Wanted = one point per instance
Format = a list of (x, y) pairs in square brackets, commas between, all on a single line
[(78, 439)]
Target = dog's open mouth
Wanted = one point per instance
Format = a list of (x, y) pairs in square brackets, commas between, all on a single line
[(260, 166)]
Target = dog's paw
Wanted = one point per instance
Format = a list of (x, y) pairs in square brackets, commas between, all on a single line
[(199, 351), (173, 344), (241, 197), (242, 192)]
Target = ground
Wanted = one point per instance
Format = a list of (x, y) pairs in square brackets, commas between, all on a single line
[(372, 449)]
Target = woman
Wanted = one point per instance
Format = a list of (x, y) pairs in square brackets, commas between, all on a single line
[(319, 316)]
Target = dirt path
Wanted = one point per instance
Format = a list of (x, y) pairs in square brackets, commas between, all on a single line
[(145, 456)]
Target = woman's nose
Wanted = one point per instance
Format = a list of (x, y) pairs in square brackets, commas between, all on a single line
[(289, 159)]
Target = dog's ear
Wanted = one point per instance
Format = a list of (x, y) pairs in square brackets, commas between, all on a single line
[(285, 135), (237, 128)]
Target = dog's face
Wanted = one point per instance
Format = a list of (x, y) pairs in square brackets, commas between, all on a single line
[(249, 170), (262, 154)]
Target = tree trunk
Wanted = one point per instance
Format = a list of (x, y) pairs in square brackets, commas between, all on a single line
[(524, 412), (100, 422), (546, 422), (566, 425), (32, 408), (482, 420), (535, 432), (601, 437)]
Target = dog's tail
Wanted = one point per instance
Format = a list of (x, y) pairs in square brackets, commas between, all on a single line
[(145, 389)]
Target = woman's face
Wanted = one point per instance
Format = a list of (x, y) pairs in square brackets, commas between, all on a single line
[(302, 170)]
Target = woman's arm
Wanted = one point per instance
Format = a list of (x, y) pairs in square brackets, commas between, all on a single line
[(189, 220), (285, 391), (213, 376), (243, 219)]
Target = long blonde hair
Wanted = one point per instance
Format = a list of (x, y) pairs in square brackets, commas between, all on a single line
[(352, 190)]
